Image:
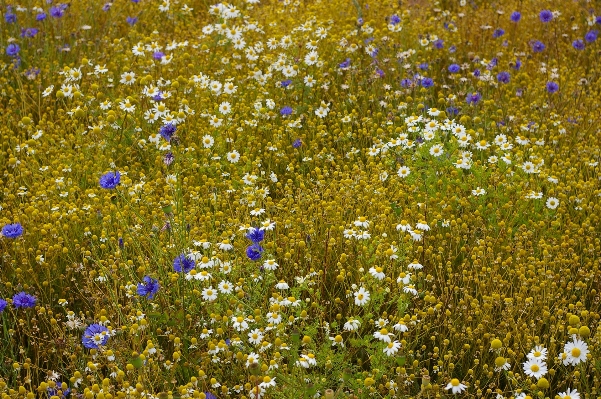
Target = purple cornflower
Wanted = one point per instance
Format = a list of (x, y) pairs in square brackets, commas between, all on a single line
[(40, 16), (107, 6), (255, 235), (454, 68), (285, 111), (438, 44), (406, 82), (359, 21), (167, 131), (503, 77), (158, 55), (476, 72), (498, 33), (24, 300), (473, 98), (452, 49), (168, 158), (515, 16), (95, 335), (12, 50), (110, 180), (131, 20), (254, 252), (13, 230), (209, 395), (423, 66), (56, 11), (427, 82), (285, 83), (29, 32), (537, 46), (297, 143), (148, 288), (578, 44), (183, 264), (552, 87), (545, 16), (518, 64), (591, 36), (395, 19), (3, 304)]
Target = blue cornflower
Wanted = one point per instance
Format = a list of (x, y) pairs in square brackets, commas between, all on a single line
[(545, 16), (285, 111), (40, 16), (297, 143), (24, 300), (395, 19), (148, 288), (254, 252), (454, 68), (183, 264), (515, 16), (94, 336), (423, 66), (598, 20), (438, 44), (452, 49), (53, 392), (345, 64), (477, 72), (406, 82), (56, 11), (285, 83), (110, 180), (591, 36), (107, 6), (498, 33), (359, 21), (537, 46), (3, 305), (380, 72), (131, 20), (518, 64), (12, 50), (255, 235), (158, 55), (473, 98), (10, 17), (167, 131), (452, 111), (427, 82), (13, 230), (552, 87), (578, 44), (209, 395), (503, 77)]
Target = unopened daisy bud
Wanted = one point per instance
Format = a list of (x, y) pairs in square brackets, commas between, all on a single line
[(496, 344)]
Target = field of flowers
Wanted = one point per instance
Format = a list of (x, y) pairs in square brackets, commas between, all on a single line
[(300, 198)]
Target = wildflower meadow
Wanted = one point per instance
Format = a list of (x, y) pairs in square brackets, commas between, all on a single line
[(300, 199)]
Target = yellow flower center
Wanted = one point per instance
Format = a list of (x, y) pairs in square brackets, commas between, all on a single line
[(537, 354), (534, 368), (575, 352), (455, 382), (239, 319)]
